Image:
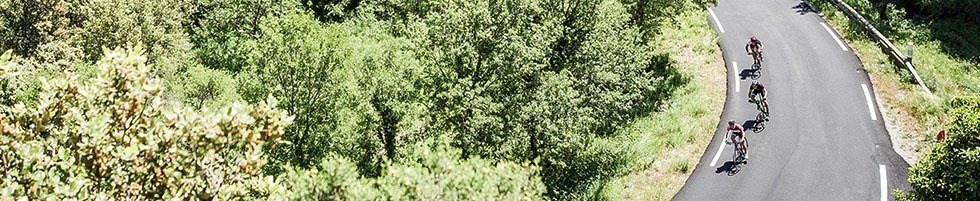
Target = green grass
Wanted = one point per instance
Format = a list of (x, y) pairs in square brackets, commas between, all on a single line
[(942, 57), (672, 140)]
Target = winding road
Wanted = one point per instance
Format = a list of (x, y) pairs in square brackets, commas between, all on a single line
[(825, 139)]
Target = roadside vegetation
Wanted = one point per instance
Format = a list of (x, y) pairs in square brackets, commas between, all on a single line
[(673, 138), (948, 60), (354, 100)]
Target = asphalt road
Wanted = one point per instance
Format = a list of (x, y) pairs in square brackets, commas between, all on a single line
[(825, 139)]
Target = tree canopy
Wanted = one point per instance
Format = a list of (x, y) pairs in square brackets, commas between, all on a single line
[(435, 99)]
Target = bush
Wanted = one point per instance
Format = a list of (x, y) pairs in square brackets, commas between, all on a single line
[(12, 80), (952, 170), (115, 136), (437, 174), (202, 87)]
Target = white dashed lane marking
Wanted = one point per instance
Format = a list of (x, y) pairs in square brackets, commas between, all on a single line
[(871, 107), (884, 182), (721, 147), (735, 75)]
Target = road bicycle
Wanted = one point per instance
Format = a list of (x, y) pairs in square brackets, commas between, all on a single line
[(762, 106), (739, 155), (756, 59), (756, 69), (760, 122)]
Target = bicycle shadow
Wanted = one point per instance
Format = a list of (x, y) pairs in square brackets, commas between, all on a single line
[(803, 8), (749, 73), (730, 168)]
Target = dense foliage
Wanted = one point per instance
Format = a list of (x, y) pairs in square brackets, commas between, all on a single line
[(440, 99), (952, 170), (114, 136), (434, 175), (969, 9)]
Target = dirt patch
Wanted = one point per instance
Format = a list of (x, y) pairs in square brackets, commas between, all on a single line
[(897, 120)]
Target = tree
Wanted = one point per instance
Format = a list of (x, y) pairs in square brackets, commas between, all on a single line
[(486, 57), (962, 9), (353, 86), (202, 87), (332, 10), (222, 29), (649, 15), (517, 82), (25, 25), (293, 62), (159, 26)]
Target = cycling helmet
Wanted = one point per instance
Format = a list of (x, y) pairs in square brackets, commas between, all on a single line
[(754, 38), (755, 82)]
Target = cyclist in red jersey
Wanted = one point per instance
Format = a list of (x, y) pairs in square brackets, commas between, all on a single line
[(754, 48), (736, 134)]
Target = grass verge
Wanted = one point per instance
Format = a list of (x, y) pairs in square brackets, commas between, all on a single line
[(672, 140), (913, 118)]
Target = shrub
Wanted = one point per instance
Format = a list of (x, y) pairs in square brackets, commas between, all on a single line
[(115, 136), (952, 170), (437, 174)]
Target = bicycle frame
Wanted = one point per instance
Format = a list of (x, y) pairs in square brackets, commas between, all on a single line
[(739, 153), (760, 105), (756, 56)]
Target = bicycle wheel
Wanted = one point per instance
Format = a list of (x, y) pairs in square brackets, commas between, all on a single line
[(739, 156), (760, 123), (736, 155)]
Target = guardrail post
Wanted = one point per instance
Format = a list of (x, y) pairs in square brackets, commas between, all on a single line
[(909, 55)]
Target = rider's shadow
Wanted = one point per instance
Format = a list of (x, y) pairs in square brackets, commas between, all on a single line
[(728, 168), (748, 73), (803, 8)]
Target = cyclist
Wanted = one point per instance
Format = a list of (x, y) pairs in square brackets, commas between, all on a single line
[(736, 134), (754, 47), (759, 90)]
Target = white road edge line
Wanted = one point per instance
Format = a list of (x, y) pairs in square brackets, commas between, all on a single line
[(832, 35), (884, 182), (713, 16), (721, 147), (735, 76), (871, 107)]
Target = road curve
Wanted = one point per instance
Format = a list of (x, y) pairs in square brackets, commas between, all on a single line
[(825, 139)]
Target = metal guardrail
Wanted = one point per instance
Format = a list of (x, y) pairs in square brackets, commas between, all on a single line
[(892, 51)]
